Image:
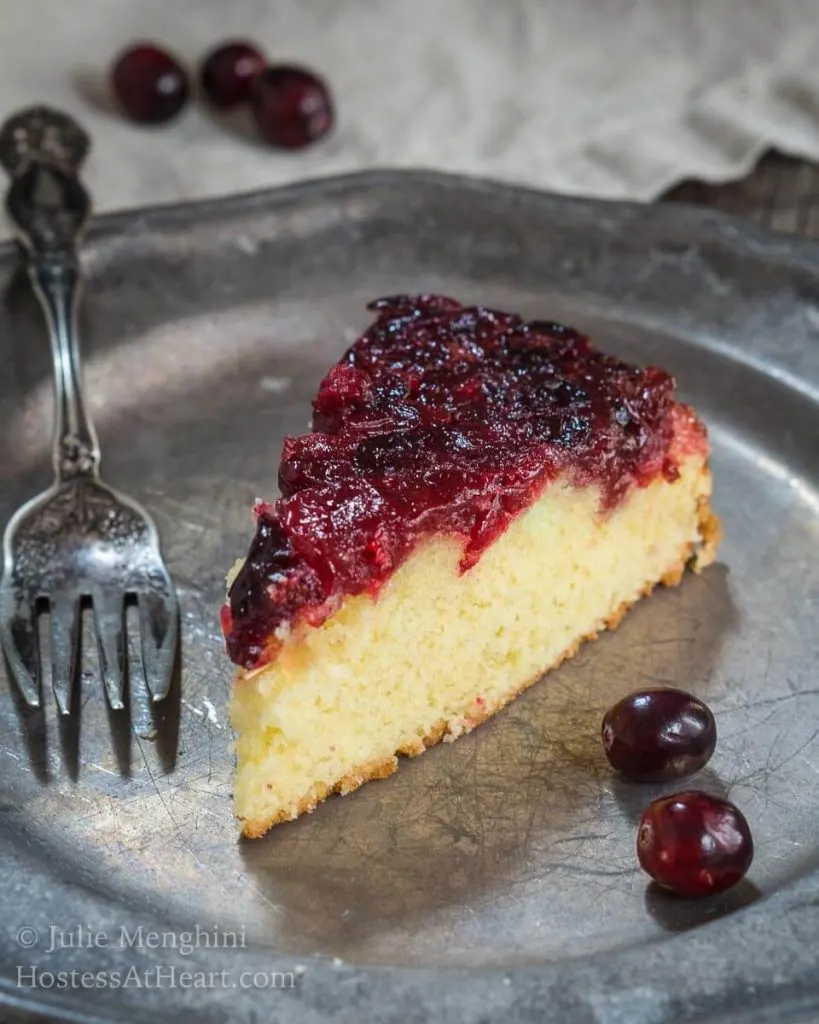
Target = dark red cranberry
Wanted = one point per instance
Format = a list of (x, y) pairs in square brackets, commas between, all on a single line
[(292, 106), (227, 73), (150, 85), (694, 844), (658, 734)]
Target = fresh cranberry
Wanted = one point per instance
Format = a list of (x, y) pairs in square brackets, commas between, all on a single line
[(658, 734), (150, 85), (227, 73), (292, 106), (694, 844)]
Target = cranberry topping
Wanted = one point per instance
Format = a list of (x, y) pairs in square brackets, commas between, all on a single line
[(440, 419), (227, 73), (658, 734), (291, 105), (694, 844), (150, 85)]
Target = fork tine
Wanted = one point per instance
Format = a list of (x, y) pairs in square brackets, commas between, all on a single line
[(18, 636), (65, 648), (110, 626), (158, 630)]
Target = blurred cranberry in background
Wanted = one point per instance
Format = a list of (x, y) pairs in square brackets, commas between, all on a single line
[(150, 85), (291, 105), (227, 73)]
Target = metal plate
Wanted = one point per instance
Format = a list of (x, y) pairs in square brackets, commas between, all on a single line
[(494, 877)]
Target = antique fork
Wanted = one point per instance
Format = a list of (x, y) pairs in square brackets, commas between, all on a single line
[(79, 540)]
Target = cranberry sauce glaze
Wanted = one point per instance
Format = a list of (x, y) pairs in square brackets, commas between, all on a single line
[(440, 419)]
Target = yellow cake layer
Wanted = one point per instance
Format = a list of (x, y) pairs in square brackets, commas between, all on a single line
[(438, 651)]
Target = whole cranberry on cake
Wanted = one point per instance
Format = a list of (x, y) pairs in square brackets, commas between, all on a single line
[(479, 494)]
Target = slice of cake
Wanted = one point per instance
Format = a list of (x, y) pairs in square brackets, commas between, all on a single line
[(479, 494)]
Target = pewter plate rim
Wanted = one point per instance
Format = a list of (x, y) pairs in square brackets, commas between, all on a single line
[(562, 991)]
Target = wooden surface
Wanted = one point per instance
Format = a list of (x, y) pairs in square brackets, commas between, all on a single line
[(781, 194)]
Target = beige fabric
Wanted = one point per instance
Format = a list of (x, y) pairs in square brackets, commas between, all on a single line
[(617, 98)]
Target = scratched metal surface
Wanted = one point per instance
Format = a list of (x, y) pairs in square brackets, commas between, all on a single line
[(509, 854)]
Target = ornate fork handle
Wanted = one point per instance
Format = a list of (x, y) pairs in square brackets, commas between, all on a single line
[(79, 540), (42, 151)]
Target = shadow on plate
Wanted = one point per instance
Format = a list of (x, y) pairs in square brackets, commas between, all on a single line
[(92, 86), (675, 914), (238, 122), (32, 729), (634, 797), (526, 800)]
